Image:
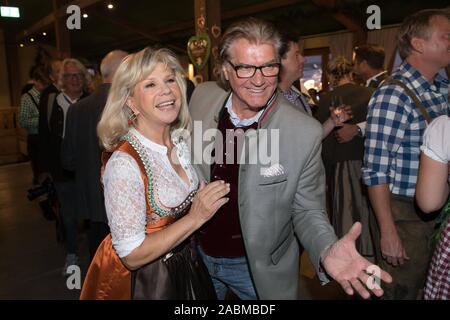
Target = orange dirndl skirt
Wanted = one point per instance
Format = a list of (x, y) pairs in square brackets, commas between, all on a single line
[(107, 278)]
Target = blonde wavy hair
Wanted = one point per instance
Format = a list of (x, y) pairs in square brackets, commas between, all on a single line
[(338, 68), (114, 122)]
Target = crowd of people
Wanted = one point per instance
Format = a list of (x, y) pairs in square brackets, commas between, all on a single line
[(174, 216)]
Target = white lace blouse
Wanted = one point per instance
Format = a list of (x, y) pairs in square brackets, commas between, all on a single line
[(125, 194)]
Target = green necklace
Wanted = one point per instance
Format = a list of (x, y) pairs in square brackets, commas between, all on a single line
[(140, 150)]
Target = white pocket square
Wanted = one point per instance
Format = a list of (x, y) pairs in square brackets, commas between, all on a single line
[(272, 171)]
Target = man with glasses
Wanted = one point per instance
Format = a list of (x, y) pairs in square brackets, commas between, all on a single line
[(73, 80), (81, 152), (250, 245)]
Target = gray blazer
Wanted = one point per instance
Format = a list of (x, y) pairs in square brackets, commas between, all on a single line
[(273, 207)]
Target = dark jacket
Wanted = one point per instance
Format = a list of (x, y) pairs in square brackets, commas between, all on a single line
[(43, 102), (81, 152), (44, 95), (358, 98), (50, 139)]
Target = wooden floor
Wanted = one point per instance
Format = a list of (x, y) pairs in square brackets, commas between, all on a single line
[(31, 259)]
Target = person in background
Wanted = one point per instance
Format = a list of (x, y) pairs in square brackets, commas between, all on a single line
[(29, 117), (368, 64), (346, 194), (31, 82), (398, 114), (432, 192), (73, 80), (53, 69), (292, 66), (81, 152), (153, 198), (96, 78), (314, 96)]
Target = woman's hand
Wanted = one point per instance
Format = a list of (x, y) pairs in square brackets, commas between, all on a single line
[(208, 200)]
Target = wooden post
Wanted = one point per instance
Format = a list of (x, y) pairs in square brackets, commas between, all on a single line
[(61, 32), (207, 20), (12, 65)]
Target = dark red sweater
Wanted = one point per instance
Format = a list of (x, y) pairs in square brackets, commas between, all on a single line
[(221, 236)]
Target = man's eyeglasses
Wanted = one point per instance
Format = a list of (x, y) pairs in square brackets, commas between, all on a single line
[(248, 71), (78, 76)]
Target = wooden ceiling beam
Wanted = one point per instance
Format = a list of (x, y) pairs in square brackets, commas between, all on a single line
[(348, 22), (232, 14), (122, 44), (345, 19), (268, 5), (126, 24), (353, 25), (258, 8), (326, 4), (50, 18)]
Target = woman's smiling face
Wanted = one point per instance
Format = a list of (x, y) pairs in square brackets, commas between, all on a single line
[(157, 99)]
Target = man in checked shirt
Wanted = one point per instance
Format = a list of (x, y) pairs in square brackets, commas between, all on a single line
[(395, 125)]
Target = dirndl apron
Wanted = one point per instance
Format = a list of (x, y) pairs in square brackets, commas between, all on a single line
[(179, 274)]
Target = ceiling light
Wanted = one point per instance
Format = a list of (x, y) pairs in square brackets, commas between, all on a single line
[(85, 15), (44, 33), (32, 39), (110, 6), (21, 45)]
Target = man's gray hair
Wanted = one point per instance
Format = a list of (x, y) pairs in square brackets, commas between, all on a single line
[(255, 31)]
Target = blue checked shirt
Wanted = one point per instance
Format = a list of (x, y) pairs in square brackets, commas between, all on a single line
[(395, 127)]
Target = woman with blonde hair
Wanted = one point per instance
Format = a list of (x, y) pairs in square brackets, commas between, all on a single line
[(152, 196)]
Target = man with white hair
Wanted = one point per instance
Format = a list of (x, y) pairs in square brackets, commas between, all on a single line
[(81, 151)]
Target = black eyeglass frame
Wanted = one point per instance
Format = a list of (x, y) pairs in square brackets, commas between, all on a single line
[(260, 68)]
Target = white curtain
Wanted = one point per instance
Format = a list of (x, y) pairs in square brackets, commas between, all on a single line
[(387, 39), (341, 44)]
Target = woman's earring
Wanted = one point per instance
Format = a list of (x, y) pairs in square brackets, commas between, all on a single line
[(132, 118)]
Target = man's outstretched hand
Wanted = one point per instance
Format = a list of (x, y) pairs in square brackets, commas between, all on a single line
[(344, 264)]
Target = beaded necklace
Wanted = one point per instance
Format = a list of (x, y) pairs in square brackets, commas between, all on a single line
[(140, 150)]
